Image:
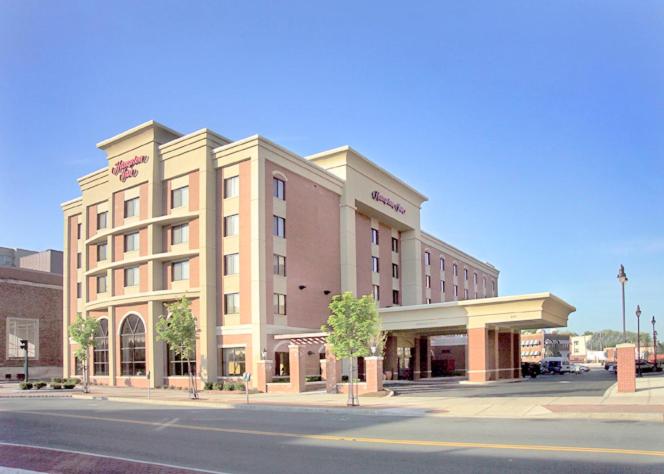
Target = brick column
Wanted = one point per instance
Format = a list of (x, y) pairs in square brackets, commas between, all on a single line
[(478, 355), (626, 368), (373, 369), (417, 366), (426, 372), (391, 358), (505, 359), (296, 361), (332, 371), (263, 375), (516, 354)]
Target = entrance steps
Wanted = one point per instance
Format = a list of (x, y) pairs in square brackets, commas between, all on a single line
[(405, 387)]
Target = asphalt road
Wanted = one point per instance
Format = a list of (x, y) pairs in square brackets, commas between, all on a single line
[(265, 440), (589, 384)]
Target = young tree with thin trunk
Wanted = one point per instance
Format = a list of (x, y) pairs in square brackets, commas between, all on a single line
[(352, 328), (178, 330), (82, 332)]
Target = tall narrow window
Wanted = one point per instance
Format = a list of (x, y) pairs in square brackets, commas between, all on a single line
[(395, 245), (493, 288), (232, 361), (131, 242), (232, 187), (279, 265), (456, 269), (475, 278), (232, 264), (279, 226), (102, 251), (231, 225), (374, 236), (465, 274), (456, 291), (180, 270), (279, 303), (132, 346), (231, 303), (427, 258), (395, 270), (279, 188), (100, 351), (78, 230), (179, 197), (78, 260), (428, 281), (465, 294), (375, 267), (102, 220), (101, 284), (131, 207), (79, 292), (442, 286), (375, 291), (442, 264), (428, 301), (395, 296), (131, 276), (180, 234)]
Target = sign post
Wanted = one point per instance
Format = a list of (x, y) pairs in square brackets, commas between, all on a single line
[(246, 377), (148, 385), (24, 346)]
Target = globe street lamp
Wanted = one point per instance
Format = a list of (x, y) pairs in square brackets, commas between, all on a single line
[(638, 339), (622, 278), (654, 342)]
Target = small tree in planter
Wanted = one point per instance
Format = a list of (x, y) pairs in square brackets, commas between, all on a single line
[(82, 332), (178, 330), (353, 327)]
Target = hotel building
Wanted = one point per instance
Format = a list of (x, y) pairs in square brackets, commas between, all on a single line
[(260, 239)]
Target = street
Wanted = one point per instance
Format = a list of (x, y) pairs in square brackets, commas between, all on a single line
[(258, 440)]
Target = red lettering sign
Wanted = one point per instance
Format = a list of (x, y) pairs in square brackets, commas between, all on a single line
[(125, 169), (377, 196)]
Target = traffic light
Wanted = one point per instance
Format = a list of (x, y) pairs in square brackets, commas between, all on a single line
[(24, 344)]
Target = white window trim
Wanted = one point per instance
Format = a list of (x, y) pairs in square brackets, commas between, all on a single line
[(10, 321)]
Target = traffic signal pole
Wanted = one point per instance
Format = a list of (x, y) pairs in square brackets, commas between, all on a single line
[(24, 346)]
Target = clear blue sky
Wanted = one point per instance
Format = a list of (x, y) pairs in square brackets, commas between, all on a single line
[(535, 128)]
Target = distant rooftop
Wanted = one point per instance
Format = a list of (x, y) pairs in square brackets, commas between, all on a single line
[(45, 261)]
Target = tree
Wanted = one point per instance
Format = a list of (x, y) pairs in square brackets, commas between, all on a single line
[(352, 328), (82, 332), (178, 330)]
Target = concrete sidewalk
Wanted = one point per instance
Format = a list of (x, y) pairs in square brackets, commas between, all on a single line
[(646, 404)]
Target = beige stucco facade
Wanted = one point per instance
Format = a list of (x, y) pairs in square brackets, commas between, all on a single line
[(201, 216)]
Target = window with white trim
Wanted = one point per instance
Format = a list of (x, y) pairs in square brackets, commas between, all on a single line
[(375, 264), (131, 276), (279, 262), (232, 264), (102, 251), (233, 361), (131, 242), (101, 284), (231, 187), (278, 188), (102, 220), (427, 258), (131, 207), (279, 304), (180, 234), (279, 226), (231, 303), (17, 329), (180, 270), (375, 291), (374, 236), (231, 225), (179, 197)]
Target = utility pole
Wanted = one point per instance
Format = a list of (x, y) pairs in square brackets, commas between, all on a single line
[(24, 346)]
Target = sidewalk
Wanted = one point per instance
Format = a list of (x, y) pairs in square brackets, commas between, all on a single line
[(646, 404)]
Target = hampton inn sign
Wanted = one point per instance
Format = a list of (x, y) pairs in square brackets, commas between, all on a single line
[(377, 196), (126, 169)]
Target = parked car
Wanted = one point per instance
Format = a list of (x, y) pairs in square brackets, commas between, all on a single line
[(609, 365), (579, 369), (565, 368), (529, 369)]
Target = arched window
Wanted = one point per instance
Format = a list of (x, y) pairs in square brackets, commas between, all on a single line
[(100, 354), (132, 346)]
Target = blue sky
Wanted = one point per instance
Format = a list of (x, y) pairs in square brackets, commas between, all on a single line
[(535, 128)]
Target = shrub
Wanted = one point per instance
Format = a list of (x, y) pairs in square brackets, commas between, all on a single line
[(218, 386), (209, 385), (74, 381), (25, 385), (313, 378), (239, 386), (68, 385), (39, 385), (57, 380), (56, 386), (229, 386)]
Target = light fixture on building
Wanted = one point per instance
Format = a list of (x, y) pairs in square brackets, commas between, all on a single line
[(326, 292), (638, 339), (264, 354), (622, 278), (301, 287)]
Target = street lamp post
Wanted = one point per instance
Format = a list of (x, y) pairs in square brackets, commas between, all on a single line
[(622, 278), (638, 339), (654, 342)]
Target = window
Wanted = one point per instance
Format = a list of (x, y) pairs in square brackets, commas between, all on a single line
[(493, 288), (131, 242), (428, 300), (232, 187), (232, 264), (375, 267), (101, 251), (475, 294), (442, 264), (465, 294), (475, 278), (455, 269), (177, 365), (231, 303), (279, 188), (279, 226), (374, 236), (78, 260), (131, 207), (465, 274), (180, 270), (395, 244), (101, 284), (79, 291), (427, 258), (180, 234), (395, 296), (395, 270), (100, 351), (375, 291), (428, 281), (232, 361), (131, 276), (279, 303), (231, 225), (102, 220), (456, 291), (484, 286), (442, 286), (78, 230), (279, 262), (18, 329), (179, 197), (132, 346)]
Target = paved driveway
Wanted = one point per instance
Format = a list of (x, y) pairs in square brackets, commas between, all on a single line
[(590, 384)]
